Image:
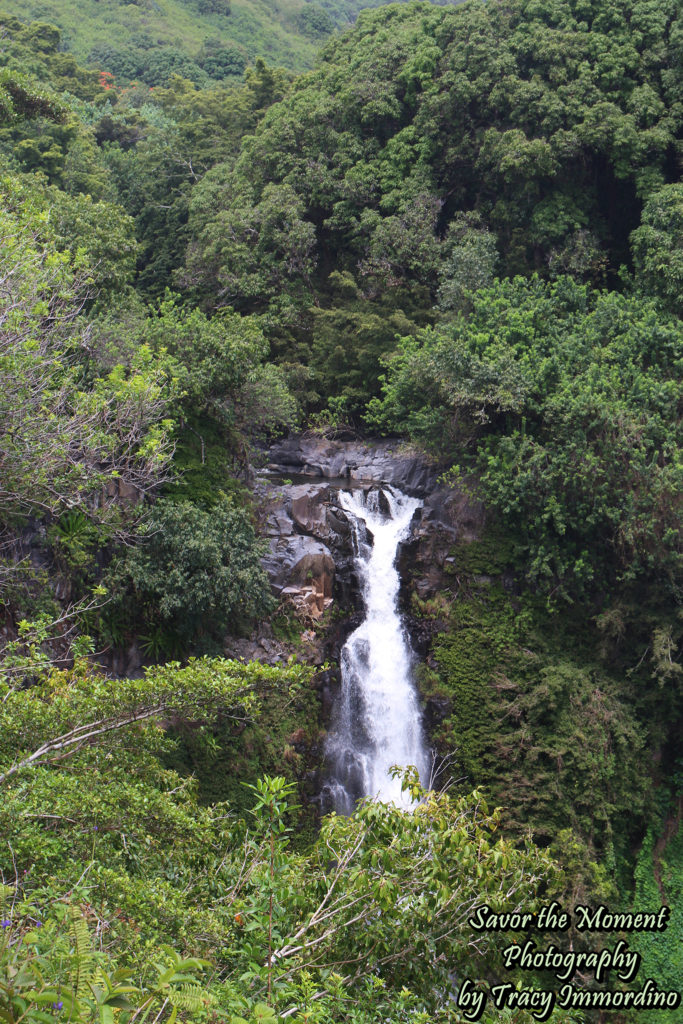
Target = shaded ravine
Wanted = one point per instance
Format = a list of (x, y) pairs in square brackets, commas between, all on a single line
[(378, 720)]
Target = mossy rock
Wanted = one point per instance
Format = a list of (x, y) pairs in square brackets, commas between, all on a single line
[(495, 553)]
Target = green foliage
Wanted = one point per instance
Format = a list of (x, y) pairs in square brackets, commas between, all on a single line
[(315, 21), (223, 61), (195, 571), (87, 431), (147, 43), (283, 739), (373, 851), (659, 879), (587, 882), (131, 810), (57, 970), (471, 262), (157, 146), (61, 149), (149, 865), (39, 131), (207, 456), (21, 98), (99, 236), (65, 432), (36, 50), (536, 716), (257, 251), (348, 343), (344, 12), (570, 395), (431, 148), (74, 542), (532, 126), (71, 705), (658, 246), (214, 357), (217, 367), (420, 163), (158, 66)]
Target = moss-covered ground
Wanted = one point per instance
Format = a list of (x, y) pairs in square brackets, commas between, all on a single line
[(545, 709)]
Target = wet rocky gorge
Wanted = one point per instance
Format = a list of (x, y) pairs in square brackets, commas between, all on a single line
[(310, 558)]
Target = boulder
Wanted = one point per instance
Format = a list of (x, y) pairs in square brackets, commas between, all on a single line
[(269, 651), (301, 570), (309, 513)]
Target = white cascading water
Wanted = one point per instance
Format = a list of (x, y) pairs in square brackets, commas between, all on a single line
[(378, 724)]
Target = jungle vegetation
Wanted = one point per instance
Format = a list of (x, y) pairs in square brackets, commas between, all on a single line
[(462, 226)]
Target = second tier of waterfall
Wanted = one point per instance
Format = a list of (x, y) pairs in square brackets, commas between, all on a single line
[(378, 721)]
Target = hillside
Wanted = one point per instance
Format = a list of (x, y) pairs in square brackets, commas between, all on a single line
[(119, 37), (199, 39)]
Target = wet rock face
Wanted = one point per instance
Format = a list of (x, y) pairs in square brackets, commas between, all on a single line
[(309, 545), (311, 558), (425, 560), (383, 462), (301, 569)]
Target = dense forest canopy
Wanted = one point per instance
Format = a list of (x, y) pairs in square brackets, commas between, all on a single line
[(463, 225), (433, 143)]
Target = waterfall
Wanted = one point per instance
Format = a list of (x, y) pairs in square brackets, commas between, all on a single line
[(378, 722)]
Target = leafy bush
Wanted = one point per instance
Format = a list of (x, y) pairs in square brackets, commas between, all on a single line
[(124, 64), (658, 246), (315, 21), (66, 430), (220, 61), (49, 967), (161, 64), (198, 571), (380, 894)]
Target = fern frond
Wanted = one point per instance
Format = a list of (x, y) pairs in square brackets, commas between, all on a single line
[(6, 893), (83, 963), (188, 997)]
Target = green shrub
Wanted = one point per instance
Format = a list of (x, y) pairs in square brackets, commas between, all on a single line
[(196, 571)]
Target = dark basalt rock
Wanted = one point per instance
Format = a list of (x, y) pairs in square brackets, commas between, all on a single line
[(421, 633), (382, 462), (339, 632), (338, 522), (328, 684), (425, 559), (347, 585), (383, 503), (436, 709), (311, 559)]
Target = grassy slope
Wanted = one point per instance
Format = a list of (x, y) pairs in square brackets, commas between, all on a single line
[(266, 28), (263, 28)]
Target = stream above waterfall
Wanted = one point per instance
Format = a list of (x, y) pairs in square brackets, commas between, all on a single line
[(377, 723)]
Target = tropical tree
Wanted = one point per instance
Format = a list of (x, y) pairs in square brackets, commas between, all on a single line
[(566, 398)]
